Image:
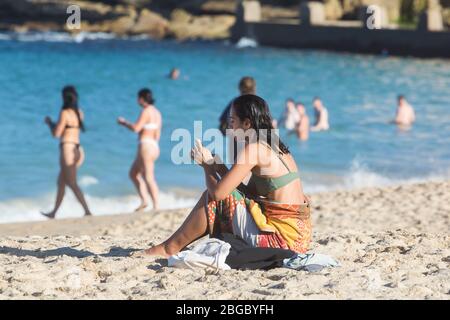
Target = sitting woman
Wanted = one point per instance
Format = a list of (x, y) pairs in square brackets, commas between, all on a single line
[(270, 211)]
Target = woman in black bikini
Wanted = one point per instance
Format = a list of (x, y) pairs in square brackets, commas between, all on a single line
[(67, 129)]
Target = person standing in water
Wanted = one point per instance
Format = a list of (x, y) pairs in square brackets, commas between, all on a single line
[(321, 112), (247, 85), (71, 157), (148, 127), (405, 113), (290, 117), (303, 125)]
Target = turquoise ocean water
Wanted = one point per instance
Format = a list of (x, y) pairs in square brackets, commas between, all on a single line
[(361, 149)]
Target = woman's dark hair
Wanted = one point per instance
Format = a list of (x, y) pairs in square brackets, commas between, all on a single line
[(256, 110), (147, 95), (70, 101)]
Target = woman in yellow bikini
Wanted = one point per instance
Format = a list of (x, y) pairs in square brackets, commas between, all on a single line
[(148, 127), (270, 211), (67, 129)]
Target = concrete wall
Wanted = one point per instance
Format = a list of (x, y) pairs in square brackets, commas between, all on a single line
[(351, 39)]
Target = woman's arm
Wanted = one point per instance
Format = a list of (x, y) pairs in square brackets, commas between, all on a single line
[(211, 177), (57, 129), (51, 125), (218, 166), (135, 127), (221, 169), (220, 189)]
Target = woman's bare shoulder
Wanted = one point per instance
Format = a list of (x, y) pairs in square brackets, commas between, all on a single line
[(156, 110), (156, 113), (63, 114)]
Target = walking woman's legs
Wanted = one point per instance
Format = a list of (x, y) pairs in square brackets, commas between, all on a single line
[(59, 196), (71, 156), (137, 179), (149, 154), (150, 182), (194, 227), (71, 181)]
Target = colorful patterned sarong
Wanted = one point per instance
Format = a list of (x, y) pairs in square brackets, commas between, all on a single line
[(279, 225)]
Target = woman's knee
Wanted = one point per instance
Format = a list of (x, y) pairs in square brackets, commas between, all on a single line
[(72, 183), (134, 172)]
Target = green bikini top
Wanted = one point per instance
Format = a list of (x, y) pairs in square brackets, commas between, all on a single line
[(264, 185)]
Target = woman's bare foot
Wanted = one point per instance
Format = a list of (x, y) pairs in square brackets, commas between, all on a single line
[(141, 207), (88, 214), (158, 250), (50, 215)]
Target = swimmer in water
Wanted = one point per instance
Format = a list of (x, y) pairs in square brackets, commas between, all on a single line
[(290, 117), (174, 74), (321, 112), (405, 113), (303, 126)]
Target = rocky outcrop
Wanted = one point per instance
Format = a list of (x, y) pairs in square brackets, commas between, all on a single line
[(122, 17), (151, 24), (333, 9), (55, 10), (184, 26), (219, 7), (446, 17), (181, 19), (131, 23)]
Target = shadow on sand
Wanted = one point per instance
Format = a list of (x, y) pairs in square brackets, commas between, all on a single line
[(66, 251)]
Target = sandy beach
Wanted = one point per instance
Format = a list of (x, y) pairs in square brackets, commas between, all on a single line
[(393, 243)]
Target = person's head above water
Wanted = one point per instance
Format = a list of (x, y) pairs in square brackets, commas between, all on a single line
[(290, 105), (145, 97), (317, 103), (247, 85), (70, 101), (252, 112), (174, 73), (401, 99), (301, 108)]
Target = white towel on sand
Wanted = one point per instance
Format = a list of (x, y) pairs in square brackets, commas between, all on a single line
[(208, 254)]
